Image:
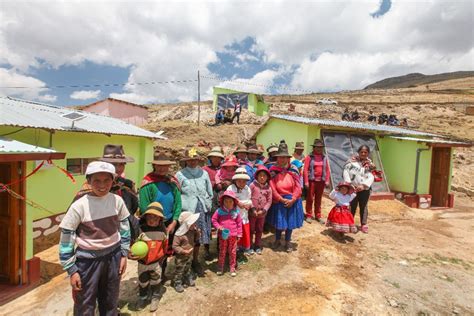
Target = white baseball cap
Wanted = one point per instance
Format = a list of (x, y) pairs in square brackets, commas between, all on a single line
[(100, 166)]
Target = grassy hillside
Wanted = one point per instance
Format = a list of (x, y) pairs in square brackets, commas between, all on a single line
[(417, 79)]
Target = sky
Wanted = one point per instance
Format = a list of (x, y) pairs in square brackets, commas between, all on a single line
[(78, 52)]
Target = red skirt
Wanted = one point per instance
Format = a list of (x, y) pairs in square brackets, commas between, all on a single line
[(341, 220)]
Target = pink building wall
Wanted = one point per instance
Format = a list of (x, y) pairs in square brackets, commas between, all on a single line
[(131, 113)]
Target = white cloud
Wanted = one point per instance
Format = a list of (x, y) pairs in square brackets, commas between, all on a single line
[(15, 84), (85, 94), (332, 44)]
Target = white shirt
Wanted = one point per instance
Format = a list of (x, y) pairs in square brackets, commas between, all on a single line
[(341, 199), (245, 197)]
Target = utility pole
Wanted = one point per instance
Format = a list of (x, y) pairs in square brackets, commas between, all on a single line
[(199, 99)]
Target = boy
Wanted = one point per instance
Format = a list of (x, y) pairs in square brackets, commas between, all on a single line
[(185, 238), (95, 240)]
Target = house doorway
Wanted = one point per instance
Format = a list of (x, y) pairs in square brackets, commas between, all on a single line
[(12, 234), (439, 180)]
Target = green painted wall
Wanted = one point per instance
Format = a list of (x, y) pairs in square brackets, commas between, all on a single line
[(51, 188), (255, 103), (399, 162), (276, 130)]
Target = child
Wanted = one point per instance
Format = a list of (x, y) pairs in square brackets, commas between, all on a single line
[(153, 232), (185, 238), (261, 202), (243, 194), (228, 217), (224, 175), (97, 223), (340, 218)]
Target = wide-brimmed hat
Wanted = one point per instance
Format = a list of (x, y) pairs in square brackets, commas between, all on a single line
[(241, 149), (216, 152), (230, 161), (241, 174), (253, 149), (161, 159), (272, 148), (191, 154), (100, 166), (186, 220), (115, 154), (282, 150), (230, 194), (154, 208), (348, 185), (318, 143), (299, 145), (260, 148), (262, 168)]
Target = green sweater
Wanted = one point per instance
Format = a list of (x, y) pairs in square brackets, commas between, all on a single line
[(148, 193)]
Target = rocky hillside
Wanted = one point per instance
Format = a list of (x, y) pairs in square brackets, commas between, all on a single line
[(417, 79)]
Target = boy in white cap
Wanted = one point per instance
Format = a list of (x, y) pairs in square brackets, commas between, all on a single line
[(95, 240), (185, 238)]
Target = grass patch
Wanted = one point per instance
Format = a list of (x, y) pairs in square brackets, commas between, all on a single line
[(394, 284)]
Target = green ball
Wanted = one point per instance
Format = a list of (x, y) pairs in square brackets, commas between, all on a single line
[(139, 249)]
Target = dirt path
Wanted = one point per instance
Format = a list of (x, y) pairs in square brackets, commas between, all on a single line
[(412, 262)]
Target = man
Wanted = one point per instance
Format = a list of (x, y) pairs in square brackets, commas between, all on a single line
[(95, 240), (219, 119), (346, 116), (228, 116), (298, 152), (237, 110), (316, 178), (372, 117)]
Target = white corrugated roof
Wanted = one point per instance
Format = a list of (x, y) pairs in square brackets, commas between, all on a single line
[(436, 141), (355, 125), (16, 112), (11, 146)]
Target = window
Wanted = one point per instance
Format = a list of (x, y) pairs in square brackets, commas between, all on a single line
[(78, 166), (341, 146)]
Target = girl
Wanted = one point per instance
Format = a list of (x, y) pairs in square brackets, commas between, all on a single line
[(340, 218), (358, 172), (243, 194), (224, 175), (261, 202), (228, 217)]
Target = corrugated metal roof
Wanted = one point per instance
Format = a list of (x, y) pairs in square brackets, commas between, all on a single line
[(237, 89), (16, 112), (9, 146), (355, 125), (431, 140)]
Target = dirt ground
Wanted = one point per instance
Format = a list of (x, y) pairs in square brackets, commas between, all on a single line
[(412, 262)]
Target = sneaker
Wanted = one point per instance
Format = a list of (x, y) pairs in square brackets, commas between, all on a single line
[(258, 251), (178, 287), (308, 220), (364, 229), (154, 304), (233, 274), (141, 303), (249, 252), (321, 221), (219, 273), (207, 255), (189, 280)]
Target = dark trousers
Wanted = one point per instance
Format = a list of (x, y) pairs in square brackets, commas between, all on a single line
[(288, 233), (169, 252), (314, 196), (183, 267), (100, 283), (256, 229), (361, 199), (236, 115)]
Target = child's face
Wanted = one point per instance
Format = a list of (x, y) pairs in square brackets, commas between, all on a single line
[(152, 220), (252, 156), (229, 168), (101, 183), (192, 227), (240, 183), (228, 203), (262, 177), (343, 190)]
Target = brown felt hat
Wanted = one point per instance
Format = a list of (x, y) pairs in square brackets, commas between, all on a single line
[(299, 145), (115, 154), (161, 159), (241, 149), (253, 149), (282, 150), (318, 143), (191, 154)]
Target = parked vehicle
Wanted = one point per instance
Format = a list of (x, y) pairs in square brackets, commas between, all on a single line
[(326, 101)]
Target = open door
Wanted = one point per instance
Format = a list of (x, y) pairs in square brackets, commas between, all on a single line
[(439, 182), (12, 242)]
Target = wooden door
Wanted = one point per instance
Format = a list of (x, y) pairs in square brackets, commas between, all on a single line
[(11, 239), (440, 164)]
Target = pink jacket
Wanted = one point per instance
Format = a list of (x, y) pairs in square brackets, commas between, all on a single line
[(228, 219), (261, 196)]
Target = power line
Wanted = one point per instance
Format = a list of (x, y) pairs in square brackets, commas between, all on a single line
[(103, 85)]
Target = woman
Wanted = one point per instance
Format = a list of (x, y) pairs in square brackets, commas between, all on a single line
[(159, 186), (196, 196), (287, 210), (358, 172)]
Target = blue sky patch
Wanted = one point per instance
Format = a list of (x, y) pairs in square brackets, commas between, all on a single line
[(385, 6)]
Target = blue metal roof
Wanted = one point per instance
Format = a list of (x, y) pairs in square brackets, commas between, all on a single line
[(16, 112), (386, 129)]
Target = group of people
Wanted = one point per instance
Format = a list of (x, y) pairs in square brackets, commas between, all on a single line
[(381, 119), (233, 198), (226, 116)]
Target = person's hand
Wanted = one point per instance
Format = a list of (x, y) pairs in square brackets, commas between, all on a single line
[(292, 201), (189, 251), (171, 227), (306, 185), (123, 266), (132, 257), (76, 283)]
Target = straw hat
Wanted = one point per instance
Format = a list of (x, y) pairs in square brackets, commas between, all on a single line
[(191, 154), (241, 174), (230, 161), (299, 145), (349, 186), (115, 154), (216, 152), (186, 219), (241, 149), (154, 208), (272, 148), (161, 159), (282, 150)]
